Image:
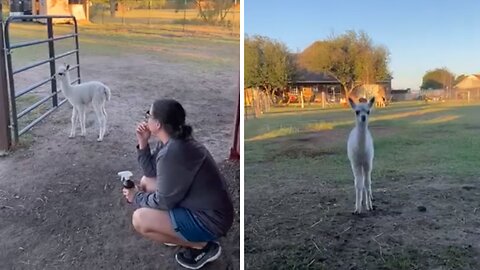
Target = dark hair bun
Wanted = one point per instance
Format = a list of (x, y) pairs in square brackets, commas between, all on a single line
[(172, 115)]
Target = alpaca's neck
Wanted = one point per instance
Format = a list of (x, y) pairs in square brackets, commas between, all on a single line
[(65, 80), (361, 129)]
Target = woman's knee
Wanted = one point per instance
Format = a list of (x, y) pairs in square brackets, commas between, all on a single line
[(146, 220), (138, 220)]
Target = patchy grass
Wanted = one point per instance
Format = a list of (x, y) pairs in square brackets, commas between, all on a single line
[(420, 141), (111, 40), (318, 120), (299, 188)]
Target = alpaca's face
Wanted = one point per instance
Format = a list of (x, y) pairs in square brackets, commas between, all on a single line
[(62, 70), (362, 110)]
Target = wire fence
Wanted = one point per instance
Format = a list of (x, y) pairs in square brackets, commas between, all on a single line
[(257, 102), (156, 13), (219, 16)]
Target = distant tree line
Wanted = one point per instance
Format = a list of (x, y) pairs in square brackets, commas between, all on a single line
[(208, 10), (351, 58), (440, 78)]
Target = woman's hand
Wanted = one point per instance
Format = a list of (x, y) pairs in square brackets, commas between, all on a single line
[(143, 134), (129, 193)]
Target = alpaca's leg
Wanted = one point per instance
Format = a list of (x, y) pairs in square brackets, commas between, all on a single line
[(367, 188), (74, 122), (81, 112), (359, 184), (104, 112), (98, 112), (369, 181)]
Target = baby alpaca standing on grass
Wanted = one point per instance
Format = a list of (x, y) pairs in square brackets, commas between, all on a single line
[(81, 96), (360, 153)]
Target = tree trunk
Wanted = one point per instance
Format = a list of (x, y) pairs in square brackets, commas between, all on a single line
[(269, 93), (348, 90), (201, 12), (348, 93), (86, 8), (268, 98), (224, 11), (256, 103), (112, 8)]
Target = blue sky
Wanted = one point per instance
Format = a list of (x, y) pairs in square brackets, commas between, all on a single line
[(420, 34)]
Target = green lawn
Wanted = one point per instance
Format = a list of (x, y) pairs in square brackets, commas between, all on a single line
[(295, 161), (441, 138)]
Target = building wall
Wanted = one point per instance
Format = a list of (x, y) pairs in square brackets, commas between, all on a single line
[(404, 96), (58, 7), (54, 7)]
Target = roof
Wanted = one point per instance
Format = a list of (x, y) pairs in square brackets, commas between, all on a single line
[(304, 76), (307, 76), (470, 81)]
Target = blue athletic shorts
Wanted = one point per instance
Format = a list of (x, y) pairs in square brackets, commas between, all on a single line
[(188, 227)]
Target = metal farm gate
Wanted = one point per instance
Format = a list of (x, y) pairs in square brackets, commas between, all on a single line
[(9, 128)]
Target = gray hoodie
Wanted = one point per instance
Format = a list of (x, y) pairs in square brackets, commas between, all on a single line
[(187, 176)]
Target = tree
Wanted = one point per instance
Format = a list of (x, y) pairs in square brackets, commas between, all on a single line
[(459, 79), (212, 10), (315, 57), (439, 78), (351, 58), (111, 3), (268, 64), (252, 65)]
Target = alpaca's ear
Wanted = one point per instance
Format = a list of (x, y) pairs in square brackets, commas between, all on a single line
[(371, 102), (352, 103), (68, 67)]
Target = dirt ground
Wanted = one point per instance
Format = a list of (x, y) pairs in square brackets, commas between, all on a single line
[(60, 199), (294, 220)]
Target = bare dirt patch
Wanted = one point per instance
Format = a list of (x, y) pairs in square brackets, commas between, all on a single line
[(316, 144), (299, 227)]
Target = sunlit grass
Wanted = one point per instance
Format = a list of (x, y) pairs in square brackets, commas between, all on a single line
[(418, 135), (112, 40), (302, 126), (438, 120), (276, 133)]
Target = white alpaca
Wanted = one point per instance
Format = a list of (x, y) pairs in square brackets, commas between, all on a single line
[(80, 96), (360, 153)]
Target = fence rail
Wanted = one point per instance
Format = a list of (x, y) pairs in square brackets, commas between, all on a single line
[(9, 116)]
